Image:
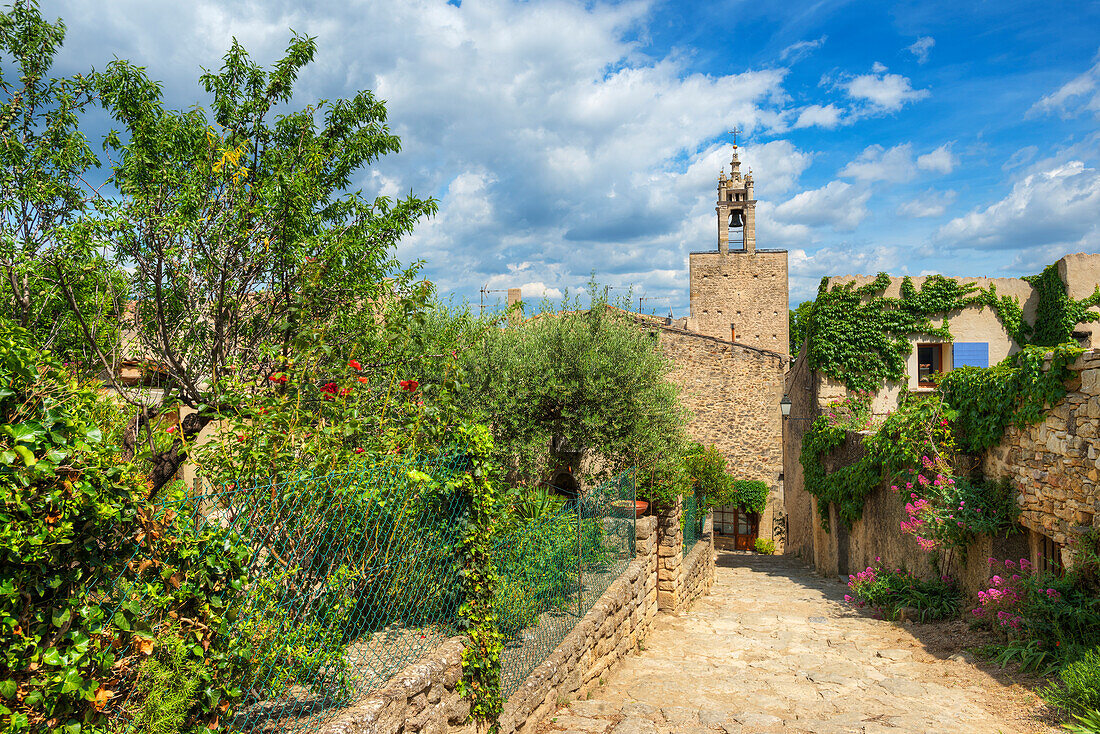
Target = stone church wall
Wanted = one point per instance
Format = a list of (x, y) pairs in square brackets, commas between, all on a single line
[(732, 393), (748, 290)]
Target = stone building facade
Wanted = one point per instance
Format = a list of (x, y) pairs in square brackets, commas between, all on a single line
[(1055, 467)]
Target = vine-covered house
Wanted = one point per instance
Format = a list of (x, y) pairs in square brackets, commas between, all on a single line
[(887, 338)]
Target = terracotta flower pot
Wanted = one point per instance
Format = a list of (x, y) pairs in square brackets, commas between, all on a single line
[(640, 507)]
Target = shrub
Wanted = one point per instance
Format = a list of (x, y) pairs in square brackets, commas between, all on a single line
[(1079, 691), (765, 546), (890, 591)]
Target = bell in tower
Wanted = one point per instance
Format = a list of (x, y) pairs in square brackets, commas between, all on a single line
[(736, 208)]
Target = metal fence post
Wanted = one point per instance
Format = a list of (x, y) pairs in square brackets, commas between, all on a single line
[(580, 556)]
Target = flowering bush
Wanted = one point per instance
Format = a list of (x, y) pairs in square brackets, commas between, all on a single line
[(1060, 614), (889, 591), (852, 412)]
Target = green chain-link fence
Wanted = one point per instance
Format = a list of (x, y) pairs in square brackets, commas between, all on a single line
[(554, 569), (691, 520), (323, 589)]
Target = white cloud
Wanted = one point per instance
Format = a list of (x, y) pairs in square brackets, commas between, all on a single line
[(801, 49), (1078, 95), (922, 47), (940, 160), (837, 204), (929, 203), (1058, 208), (827, 116), (876, 163), (881, 91), (806, 268), (896, 164)]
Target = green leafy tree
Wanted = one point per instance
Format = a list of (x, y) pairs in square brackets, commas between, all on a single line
[(239, 222), (799, 325), (43, 160)]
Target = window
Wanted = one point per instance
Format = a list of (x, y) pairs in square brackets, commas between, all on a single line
[(1050, 556), (929, 363)]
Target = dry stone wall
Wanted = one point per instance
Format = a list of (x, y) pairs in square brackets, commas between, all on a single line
[(1055, 465), (698, 566), (422, 699)]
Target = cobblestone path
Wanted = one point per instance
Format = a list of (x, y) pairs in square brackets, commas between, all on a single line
[(773, 648)]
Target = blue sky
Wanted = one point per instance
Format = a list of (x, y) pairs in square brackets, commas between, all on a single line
[(563, 138)]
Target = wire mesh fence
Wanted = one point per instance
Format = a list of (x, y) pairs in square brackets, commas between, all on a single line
[(553, 569), (313, 592), (691, 520)]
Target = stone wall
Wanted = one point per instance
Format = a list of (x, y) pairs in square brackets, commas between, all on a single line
[(698, 566), (797, 502), (747, 290), (422, 699), (1055, 465), (732, 393), (610, 630)]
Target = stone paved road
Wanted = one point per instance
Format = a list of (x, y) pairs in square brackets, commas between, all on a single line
[(773, 648)]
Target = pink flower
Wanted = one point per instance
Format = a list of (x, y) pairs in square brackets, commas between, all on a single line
[(1024, 564), (1010, 564)]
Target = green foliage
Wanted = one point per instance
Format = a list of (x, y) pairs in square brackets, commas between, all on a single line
[(751, 495), (889, 591), (765, 546), (481, 657), (585, 382), (1016, 392), (1079, 691), (860, 337), (74, 519), (1057, 314), (1030, 655), (799, 323), (1086, 723), (706, 471), (166, 688)]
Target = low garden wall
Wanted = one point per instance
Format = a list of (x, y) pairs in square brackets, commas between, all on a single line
[(698, 566), (423, 697)]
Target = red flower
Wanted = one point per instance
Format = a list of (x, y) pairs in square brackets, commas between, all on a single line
[(363, 380), (354, 364), (358, 451), (172, 429), (278, 377), (409, 385), (240, 438), (329, 387), (943, 422), (345, 391)]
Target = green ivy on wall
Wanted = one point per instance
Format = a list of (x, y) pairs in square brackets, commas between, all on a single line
[(1014, 392), (861, 337)]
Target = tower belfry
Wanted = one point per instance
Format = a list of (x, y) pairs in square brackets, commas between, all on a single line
[(736, 208), (739, 293)]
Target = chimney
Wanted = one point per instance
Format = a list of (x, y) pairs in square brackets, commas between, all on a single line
[(515, 295)]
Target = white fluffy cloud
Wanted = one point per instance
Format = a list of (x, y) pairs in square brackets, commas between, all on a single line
[(881, 91), (1078, 95), (1056, 207), (807, 267), (896, 164), (927, 204), (826, 116), (838, 205)]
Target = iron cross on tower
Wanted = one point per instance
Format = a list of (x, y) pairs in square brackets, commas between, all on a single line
[(735, 132)]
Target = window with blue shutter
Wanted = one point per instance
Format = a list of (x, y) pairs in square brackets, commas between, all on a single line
[(970, 354)]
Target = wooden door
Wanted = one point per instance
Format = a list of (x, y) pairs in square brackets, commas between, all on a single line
[(747, 528)]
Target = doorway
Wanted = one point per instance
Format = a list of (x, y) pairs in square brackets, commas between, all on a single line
[(735, 529)]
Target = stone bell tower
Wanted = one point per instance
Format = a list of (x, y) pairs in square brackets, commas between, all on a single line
[(739, 293), (736, 208)]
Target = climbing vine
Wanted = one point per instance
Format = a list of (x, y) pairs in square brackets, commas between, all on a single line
[(480, 682), (1014, 392), (1057, 313), (860, 337)]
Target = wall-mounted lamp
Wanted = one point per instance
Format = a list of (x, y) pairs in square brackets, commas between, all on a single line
[(785, 406)]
